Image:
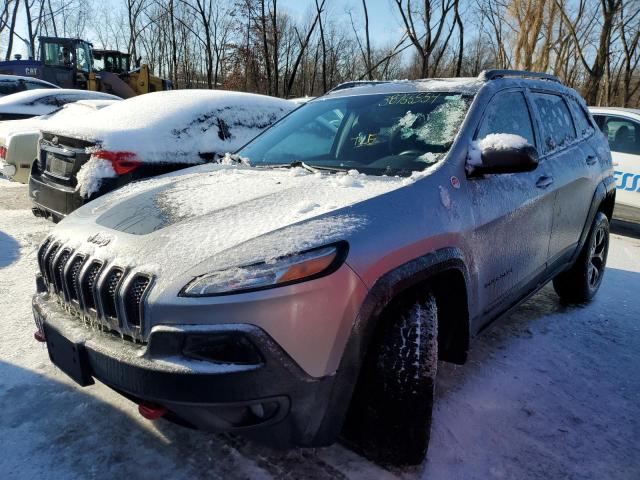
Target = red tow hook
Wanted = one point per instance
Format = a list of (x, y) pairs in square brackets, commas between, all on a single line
[(151, 411), (39, 336)]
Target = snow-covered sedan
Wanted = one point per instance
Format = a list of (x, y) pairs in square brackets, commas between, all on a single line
[(19, 138), (32, 103), (141, 137), (10, 84), (621, 126)]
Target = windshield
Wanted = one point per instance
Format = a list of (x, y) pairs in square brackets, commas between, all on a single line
[(374, 134)]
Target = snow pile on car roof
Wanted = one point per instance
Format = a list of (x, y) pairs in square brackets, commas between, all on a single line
[(46, 100), (68, 112), (181, 126)]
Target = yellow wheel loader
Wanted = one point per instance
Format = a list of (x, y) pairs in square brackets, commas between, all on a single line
[(73, 63)]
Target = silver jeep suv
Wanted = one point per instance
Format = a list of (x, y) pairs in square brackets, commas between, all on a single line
[(306, 287)]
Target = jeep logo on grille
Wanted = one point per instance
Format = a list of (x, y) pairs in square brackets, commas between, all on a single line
[(99, 239)]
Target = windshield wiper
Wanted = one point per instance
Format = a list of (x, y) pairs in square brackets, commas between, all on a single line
[(316, 168), (301, 164)]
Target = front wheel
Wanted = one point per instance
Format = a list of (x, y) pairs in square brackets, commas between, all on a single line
[(390, 415), (581, 282)]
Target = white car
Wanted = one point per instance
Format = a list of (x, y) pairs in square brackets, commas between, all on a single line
[(19, 138), (10, 84), (32, 103), (622, 128)]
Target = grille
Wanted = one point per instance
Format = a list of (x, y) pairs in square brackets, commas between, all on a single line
[(74, 278), (133, 298), (58, 274), (41, 253), (48, 262), (87, 284), (109, 292)]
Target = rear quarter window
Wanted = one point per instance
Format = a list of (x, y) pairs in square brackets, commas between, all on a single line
[(583, 124), (557, 125)]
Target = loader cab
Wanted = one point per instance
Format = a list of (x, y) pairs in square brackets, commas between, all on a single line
[(67, 62), (112, 61)]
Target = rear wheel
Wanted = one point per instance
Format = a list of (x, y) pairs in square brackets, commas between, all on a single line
[(581, 282), (390, 415)]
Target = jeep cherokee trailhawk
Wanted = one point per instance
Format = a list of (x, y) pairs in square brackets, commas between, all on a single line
[(305, 287)]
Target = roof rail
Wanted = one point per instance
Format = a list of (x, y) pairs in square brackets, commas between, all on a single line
[(487, 75), (355, 83)]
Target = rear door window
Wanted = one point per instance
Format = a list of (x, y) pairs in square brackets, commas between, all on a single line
[(623, 135), (556, 122), (508, 113)]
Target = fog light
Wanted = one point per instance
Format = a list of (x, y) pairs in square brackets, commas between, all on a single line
[(226, 348)]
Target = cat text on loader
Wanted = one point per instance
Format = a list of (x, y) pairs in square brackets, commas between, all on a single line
[(69, 63)]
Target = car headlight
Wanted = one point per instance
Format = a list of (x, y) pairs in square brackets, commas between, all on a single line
[(295, 268)]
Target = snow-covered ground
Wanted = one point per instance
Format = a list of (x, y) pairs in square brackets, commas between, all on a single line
[(550, 392)]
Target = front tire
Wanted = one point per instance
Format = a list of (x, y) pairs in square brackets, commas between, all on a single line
[(580, 283), (390, 415)]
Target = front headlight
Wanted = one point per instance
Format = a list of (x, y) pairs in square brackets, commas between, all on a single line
[(282, 271)]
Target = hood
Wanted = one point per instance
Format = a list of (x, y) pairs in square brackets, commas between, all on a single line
[(216, 216)]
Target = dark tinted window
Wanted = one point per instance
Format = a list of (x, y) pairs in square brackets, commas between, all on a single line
[(7, 87), (507, 113), (623, 135), (557, 124), (583, 125)]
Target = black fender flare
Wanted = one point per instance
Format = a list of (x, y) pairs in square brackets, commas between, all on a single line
[(605, 188), (386, 288)]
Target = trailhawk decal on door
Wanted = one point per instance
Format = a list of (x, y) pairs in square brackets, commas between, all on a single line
[(627, 181)]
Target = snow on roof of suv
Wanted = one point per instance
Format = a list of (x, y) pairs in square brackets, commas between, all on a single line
[(40, 102)]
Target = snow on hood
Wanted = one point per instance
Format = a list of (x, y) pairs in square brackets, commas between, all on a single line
[(43, 101), (66, 113), (225, 215)]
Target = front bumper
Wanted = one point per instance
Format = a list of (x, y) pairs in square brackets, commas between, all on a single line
[(270, 399)]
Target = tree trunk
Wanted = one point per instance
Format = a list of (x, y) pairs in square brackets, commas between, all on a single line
[(12, 29)]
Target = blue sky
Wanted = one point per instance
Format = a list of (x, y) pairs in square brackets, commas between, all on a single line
[(384, 21)]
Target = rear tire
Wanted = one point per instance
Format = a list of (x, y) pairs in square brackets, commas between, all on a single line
[(580, 283), (390, 415)]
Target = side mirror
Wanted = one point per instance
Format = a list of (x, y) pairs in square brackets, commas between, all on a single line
[(502, 153)]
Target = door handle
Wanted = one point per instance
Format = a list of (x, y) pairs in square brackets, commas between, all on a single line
[(544, 181), (591, 160)]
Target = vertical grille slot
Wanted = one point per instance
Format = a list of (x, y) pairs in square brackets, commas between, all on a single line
[(73, 278), (87, 283), (134, 297), (58, 270), (48, 262), (109, 291), (41, 253)]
